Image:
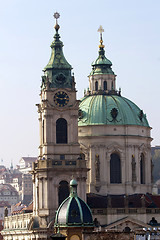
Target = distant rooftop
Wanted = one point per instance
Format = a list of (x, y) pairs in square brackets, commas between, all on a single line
[(27, 161)]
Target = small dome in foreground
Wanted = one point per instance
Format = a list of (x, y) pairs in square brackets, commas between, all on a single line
[(73, 211)]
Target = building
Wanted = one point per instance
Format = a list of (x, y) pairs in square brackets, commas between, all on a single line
[(114, 135), (59, 157), (20, 181), (20, 178), (25, 164), (155, 151), (13, 177), (59, 151), (3, 170), (8, 194), (27, 189), (5, 175), (25, 167), (112, 153)]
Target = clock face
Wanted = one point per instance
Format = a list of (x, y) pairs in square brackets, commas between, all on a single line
[(61, 99)]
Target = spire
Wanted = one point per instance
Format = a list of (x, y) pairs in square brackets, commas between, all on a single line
[(11, 167), (57, 59), (101, 46), (58, 67), (101, 65), (56, 16), (57, 27)]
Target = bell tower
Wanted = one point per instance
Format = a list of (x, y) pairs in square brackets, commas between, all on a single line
[(59, 151)]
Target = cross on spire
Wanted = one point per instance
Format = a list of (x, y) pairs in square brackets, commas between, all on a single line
[(100, 29), (56, 15)]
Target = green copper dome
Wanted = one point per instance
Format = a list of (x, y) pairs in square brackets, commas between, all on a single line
[(73, 211), (57, 59), (110, 110), (101, 65)]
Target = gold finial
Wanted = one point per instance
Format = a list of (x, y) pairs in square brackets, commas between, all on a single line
[(100, 29), (56, 16)]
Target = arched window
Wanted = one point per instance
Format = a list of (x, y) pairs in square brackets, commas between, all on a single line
[(115, 168), (112, 85), (105, 85), (142, 169), (96, 86), (63, 191), (61, 131)]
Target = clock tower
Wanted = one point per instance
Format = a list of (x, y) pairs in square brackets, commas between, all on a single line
[(59, 158)]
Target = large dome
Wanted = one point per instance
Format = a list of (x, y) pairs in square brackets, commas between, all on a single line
[(103, 109), (114, 135)]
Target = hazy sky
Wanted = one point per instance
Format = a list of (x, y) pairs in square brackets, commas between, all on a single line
[(132, 43)]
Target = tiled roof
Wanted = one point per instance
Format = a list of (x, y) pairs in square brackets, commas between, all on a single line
[(29, 208), (21, 208), (17, 208), (4, 204), (7, 186), (96, 201), (29, 159), (2, 167), (18, 204), (118, 201)]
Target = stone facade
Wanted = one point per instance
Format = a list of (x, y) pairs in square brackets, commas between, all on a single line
[(59, 151), (126, 141)]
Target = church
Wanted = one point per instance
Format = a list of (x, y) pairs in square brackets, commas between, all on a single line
[(102, 141)]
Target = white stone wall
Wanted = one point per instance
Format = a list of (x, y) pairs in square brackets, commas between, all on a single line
[(124, 140), (47, 175), (19, 227), (100, 78)]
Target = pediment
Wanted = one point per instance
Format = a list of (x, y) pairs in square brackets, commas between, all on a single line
[(127, 222), (21, 160), (115, 147)]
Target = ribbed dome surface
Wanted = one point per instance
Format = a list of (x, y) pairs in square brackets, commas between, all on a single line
[(101, 65), (102, 61), (110, 110), (73, 211)]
